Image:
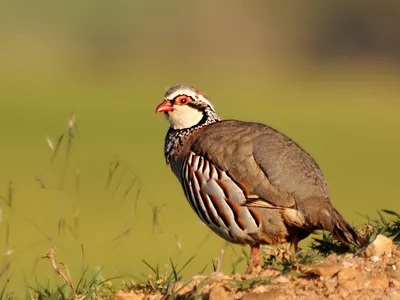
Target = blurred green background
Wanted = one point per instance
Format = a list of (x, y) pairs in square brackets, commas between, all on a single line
[(325, 73)]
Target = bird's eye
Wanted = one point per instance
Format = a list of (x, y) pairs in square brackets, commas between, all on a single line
[(182, 99)]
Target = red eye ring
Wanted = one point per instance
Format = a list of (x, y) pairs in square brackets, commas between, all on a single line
[(182, 99)]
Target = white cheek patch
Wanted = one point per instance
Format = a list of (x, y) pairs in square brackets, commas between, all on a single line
[(184, 117)]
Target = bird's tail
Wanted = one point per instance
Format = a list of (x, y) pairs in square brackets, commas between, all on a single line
[(328, 218), (342, 230)]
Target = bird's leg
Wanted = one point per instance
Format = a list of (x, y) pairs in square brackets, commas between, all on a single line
[(294, 245), (291, 249), (254, 258), (255, 255)]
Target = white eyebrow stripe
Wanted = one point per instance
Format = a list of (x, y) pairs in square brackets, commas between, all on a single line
[(191, 93)]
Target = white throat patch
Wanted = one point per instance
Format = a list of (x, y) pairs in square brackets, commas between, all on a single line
[(184, 117)]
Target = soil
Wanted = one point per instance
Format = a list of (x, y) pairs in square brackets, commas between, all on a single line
[(371, 274)]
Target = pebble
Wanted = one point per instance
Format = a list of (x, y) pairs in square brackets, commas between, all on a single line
[(380, 246), (218, 292)]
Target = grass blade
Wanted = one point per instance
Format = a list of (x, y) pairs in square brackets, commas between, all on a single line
[(149, 266)]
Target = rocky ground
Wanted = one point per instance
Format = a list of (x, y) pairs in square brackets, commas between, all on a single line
[(373, 273)]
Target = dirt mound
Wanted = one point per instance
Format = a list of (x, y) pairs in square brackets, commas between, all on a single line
[(373, 273)]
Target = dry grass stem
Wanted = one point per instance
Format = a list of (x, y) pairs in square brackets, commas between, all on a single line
[(218, 261), (66, 277)]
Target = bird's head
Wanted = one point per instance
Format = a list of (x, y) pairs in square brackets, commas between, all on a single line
[(186, 107)]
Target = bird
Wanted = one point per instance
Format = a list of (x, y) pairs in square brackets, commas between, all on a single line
[(246, 181)]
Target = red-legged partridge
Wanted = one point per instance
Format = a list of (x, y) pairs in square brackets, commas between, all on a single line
[(246, 181)]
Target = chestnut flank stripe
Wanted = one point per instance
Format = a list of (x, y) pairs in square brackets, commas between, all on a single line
[(217, 205), (209, 208), (236, 213), (256, 217), (224, 187), (198, 200)]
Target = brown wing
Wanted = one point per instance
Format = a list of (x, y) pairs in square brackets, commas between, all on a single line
[(268, 166)]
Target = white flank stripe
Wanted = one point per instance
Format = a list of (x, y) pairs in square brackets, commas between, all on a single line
[(204, 207)]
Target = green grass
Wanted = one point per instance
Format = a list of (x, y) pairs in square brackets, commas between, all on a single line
[(387, 223), (167, 280), (350, 126)]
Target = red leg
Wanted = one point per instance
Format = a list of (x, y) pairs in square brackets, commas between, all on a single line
[(254, 258), (255, 255), (292, 249), (293, 245)]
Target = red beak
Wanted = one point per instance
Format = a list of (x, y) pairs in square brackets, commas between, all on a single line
[(164, 107)]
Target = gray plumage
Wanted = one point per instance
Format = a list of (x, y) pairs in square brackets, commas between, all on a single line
[(248, 182)]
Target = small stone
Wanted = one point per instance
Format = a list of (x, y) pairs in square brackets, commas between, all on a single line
[(128, 296), (348, 274), (343, 293), (347, 264), (156, 296), (394, 295), (396, 283), (350, 279), (183, 287), (395, 273), (352, 285), (302, 282), (378, 282), (275, 294), (326, 269), (220, 276), (280, 279), (375, 258), (270, 273), (217, 292), (380, 246), (261, 289), (333, 258), (391, 261)]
